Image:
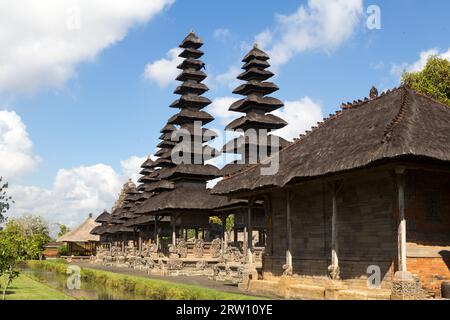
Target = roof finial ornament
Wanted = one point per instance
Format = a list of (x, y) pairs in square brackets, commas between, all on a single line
[(255, 45), (191, 31), (373, 93)]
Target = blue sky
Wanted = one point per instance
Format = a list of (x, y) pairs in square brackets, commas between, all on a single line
[(105, 110)]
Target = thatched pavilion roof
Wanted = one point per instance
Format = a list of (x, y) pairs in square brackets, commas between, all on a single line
[(104, 217), (82, 233), (399, 124), (181, 198)]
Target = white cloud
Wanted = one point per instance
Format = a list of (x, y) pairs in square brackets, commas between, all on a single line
[(16, 155), (164, 71), (322, 24), (222, 34), (398, 69), (301, 115), (75, 192), (132, 166), (229, 78), (43, 42), (219, 109)]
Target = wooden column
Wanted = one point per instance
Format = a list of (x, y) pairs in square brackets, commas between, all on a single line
[(223, 218), (250, 231), (334, 228), (400, 173), (288, 232), (140, 243), (156, 236), (174, 231)]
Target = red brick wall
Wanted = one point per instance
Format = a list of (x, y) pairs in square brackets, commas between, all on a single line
[(431, 271), (428, 226)]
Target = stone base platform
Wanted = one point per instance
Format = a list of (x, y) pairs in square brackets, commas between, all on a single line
[(314, 289)]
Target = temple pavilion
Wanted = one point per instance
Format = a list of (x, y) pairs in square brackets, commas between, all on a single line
[(359, 202)]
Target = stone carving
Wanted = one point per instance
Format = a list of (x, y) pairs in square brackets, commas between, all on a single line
[(233, 254), (175, 264), (201, 265), (216, 248), (334, 272), (287, 270), (182, 249), (199, 248), (373, 93)]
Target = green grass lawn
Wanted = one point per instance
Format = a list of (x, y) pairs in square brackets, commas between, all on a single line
[(25, 288)]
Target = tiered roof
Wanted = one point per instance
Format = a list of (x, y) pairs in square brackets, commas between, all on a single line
[(121, 213), (183, 185), (191, 103), (257, 106), (401, 125)]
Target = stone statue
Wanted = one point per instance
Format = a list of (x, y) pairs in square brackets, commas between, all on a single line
[(216, 248), (199, 248)]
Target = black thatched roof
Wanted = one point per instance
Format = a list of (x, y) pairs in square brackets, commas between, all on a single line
[(238, 144), (119, 229), (182, 198), (104, 217), (145, 220), (202, 172), (100, 230), (401, 124)]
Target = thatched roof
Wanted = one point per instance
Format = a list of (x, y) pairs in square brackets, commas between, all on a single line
[(99, 230), (104, 217), (181, 198), (398, 124), (82, 233)]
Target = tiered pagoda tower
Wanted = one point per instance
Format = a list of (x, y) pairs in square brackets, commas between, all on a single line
[(183, 170), (257, 122), (191, 119), (121, 212)]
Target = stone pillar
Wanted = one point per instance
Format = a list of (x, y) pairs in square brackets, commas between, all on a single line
[(288, 267)]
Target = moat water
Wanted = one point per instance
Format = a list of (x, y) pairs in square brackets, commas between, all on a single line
[(88, 290)]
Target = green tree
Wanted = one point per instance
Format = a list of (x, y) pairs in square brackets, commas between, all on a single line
[(5, 200), (36, 231), (12, 252), (63, 229), (433, 80)]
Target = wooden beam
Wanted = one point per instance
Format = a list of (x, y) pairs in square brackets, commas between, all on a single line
[(401, 232)]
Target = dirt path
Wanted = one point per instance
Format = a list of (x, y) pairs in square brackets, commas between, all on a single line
[(201, 281)]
